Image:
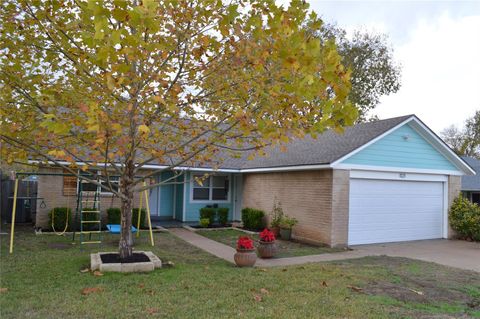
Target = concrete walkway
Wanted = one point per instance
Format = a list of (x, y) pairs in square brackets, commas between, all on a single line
[(213, 247), (453, 253)]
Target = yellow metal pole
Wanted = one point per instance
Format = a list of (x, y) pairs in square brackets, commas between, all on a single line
[(14, 211), (147, 206), (139, 214)]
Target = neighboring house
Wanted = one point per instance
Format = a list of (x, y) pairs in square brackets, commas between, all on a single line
[(384, 181), (471, 184)]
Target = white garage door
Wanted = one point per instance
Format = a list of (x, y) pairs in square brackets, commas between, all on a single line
[(388, 211)]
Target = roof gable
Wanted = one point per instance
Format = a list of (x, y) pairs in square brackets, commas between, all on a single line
[(404, 147), (410, 145)]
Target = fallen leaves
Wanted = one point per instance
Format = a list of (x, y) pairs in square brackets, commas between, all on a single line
[(3, 290), (416, 291), (355, 288), (264, 291), (90, 290), (324, 284), (97, 273), (85, 270), (257, 298), (152, 311)]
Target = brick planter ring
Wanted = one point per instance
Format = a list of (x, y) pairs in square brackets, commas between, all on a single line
[(97, 264)]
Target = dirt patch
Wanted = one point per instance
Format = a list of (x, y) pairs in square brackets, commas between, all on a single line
[(412, 281)]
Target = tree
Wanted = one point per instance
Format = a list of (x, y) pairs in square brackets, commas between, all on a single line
[(465, 141), (370, 58), (119, 85)]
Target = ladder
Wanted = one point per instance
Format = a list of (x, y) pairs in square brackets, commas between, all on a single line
[(88, 208)]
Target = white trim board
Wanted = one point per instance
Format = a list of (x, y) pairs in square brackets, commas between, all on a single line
[(397, 169), (397, 176)]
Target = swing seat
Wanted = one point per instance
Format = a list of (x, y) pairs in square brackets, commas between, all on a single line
[(115, 229)]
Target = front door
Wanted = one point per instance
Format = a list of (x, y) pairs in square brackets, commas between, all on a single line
[(237, 197)]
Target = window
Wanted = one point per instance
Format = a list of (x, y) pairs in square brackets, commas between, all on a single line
[(213, 188), (476, 198), (90, 187)]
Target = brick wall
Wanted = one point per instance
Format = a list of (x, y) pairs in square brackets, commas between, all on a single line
[(454, 188), (50, 188), (307, 196)]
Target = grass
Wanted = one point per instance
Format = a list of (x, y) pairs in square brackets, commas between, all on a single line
[(285, 248), (43, 280)]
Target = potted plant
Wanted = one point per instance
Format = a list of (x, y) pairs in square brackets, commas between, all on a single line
[(276, 216), (267, 247), (286, 225), (245, 255)]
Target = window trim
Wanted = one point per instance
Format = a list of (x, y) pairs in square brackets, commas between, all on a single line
[(210, 192), (102, 191)]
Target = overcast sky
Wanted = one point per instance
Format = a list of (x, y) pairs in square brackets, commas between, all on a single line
[(438, 46)]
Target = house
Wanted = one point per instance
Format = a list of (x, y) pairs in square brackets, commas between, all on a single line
[(471, 184), (383, 181)]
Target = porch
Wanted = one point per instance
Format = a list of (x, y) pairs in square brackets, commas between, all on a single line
[(179, 200)]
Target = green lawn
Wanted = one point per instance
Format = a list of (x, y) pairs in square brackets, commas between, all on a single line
[(285, 248), (42, 279)]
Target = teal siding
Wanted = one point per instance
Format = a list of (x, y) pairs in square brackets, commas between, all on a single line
[(394, 150), (192, 208), (166, 197), (179, 200)]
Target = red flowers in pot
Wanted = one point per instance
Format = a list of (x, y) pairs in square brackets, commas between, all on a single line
[(245, 255), (267, 247), (245, 243), (267, 236)]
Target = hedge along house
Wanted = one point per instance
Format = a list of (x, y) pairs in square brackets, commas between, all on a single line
[(384, 181)]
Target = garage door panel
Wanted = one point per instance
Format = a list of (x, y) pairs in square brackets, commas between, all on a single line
[(388, 211)]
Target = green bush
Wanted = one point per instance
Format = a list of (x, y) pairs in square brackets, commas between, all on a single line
[(114, 216), (90, 217), (142, 217), (253, 218), (465, 218), (204, 222), (222, 213), (208, 212), (59, 216)]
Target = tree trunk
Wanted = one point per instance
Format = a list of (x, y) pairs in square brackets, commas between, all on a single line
[(126, 187)]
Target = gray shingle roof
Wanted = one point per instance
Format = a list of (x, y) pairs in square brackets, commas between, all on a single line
[(471, 183), (325, 149)]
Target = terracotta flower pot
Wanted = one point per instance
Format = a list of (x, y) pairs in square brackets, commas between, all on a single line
[(286, 233), (267, 249), (245, 258), (276, 231)]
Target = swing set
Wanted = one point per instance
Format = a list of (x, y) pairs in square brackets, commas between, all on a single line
[(81, 212)]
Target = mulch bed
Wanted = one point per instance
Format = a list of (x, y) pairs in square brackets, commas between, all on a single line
[(115, 258), (211, 226)]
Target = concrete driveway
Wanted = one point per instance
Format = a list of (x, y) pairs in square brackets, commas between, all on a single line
[(453, 253)]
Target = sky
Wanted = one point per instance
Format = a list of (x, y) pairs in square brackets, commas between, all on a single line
[(437, 44)]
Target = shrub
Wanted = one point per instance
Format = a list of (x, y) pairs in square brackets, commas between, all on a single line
[(222, 213), (114, 216), (59, 216), (276, 214), (204, 222), (90, 217), (208, 212), (253, 218), (142, 217), (465, 218)]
